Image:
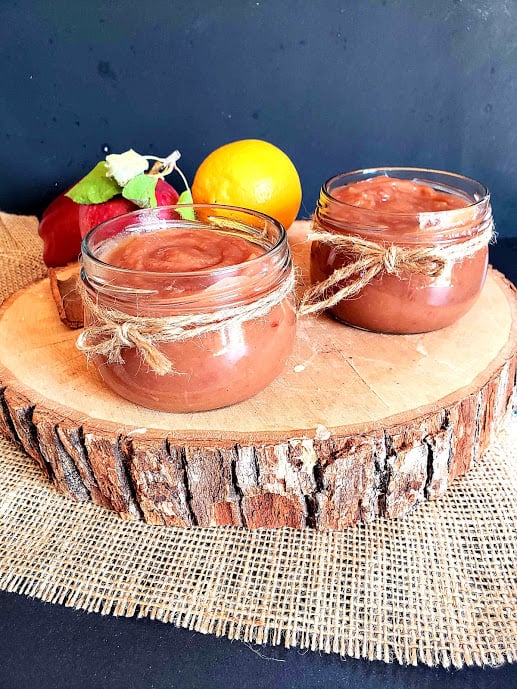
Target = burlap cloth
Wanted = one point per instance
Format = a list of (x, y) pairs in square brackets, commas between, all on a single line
[(437, 587)]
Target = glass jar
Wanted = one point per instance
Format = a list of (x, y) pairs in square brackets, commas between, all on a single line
[(408, 269), (206, 336)]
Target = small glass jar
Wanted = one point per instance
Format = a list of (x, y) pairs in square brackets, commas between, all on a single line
[(410, 298), (188, 341)]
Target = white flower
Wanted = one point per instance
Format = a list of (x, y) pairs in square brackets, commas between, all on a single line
[(124, 166)]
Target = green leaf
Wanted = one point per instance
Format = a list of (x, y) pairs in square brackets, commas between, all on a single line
[(186, 213), (95, 187), (142, 190)]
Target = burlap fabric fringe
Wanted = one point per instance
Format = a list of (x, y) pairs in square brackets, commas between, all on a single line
[(113, 329), (437, 587), (370, 259)]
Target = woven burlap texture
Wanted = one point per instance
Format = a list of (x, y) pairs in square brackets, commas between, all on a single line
[(20, 253), (437, 587)]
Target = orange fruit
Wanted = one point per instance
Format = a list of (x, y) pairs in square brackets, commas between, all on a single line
[(252, 174)]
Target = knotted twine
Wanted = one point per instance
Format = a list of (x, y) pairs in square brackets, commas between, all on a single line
[(112, 329), (372, 258)]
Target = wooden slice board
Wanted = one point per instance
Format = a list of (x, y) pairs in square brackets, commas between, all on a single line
[(359, 424)]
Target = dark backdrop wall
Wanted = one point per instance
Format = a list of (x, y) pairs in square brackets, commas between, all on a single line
[(337, 85)]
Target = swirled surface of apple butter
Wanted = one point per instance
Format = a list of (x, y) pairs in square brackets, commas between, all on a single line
[(393, 195), (181, 251)]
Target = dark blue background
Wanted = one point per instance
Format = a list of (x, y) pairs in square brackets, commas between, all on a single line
[(337, 85), (52, 647)]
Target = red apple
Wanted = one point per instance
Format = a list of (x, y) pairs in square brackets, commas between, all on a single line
[(165, 194), (91, 215), (65, 222), (59, 229)]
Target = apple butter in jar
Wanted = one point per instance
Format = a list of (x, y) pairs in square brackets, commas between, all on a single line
[(399, 250), (188, 308)]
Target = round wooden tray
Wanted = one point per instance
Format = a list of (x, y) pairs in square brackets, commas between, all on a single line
[(358, 425)]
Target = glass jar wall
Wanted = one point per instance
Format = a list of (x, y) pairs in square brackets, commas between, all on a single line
[(426, 234), (188, 312)]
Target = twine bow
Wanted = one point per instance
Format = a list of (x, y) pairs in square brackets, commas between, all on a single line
[(113, 330), (371, 259)]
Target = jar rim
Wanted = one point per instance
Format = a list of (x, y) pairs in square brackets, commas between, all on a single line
[(484, 194), (186, 223)]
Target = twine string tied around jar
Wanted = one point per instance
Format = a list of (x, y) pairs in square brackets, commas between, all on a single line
[(112, 330), (370, 259)]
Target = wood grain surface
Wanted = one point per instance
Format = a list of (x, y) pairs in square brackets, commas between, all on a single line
[(358, 425)]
